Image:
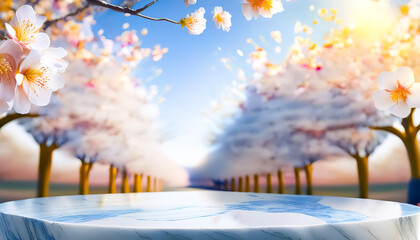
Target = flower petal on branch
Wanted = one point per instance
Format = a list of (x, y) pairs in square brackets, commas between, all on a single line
[(10, 55), (382, 100), (401, 110), (405, 76), (387, 80), (413, 99), (24, 28)]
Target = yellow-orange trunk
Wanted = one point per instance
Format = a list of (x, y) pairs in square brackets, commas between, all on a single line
[(281, 182), (298, 190), (137, 183), (256, 184)]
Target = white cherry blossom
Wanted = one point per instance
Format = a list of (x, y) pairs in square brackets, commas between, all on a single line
[(222, 19), (398, 92), (25, 28), (195, 22), (10, 56), (265, 8), (36, 80)]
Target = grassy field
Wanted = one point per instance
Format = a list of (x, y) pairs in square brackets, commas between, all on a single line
[(15, 190)]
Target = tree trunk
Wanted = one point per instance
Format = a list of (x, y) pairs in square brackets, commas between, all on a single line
[(125, 186), (413, 154), (226, 185), (84, 177), (308, 174), (112, 186), (269, 187), (281, 182), (412, 147), (363, 173), (298, 190), (409, 138), (411, 144), (149, 184), (137, 183), (256, 184), (241, 184), (247, 184), (44, 169), (232, 185)]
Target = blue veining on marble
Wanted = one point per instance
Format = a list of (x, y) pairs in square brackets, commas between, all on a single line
[(207, 216), (86, 217), (409, 209), (175, 217), (296, 205)]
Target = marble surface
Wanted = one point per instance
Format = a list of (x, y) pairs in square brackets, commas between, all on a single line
[(207, 215)]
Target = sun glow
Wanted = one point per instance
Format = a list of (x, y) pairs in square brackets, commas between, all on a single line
[(186, 152), (371, 20)]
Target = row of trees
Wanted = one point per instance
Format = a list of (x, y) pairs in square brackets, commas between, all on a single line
[(290, 134), (249, 183), (95, 119), (104, 114), (317, 104)]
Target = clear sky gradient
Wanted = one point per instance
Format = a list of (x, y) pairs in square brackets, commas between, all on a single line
[(193, 67)]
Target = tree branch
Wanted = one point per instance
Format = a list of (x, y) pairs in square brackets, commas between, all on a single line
[(390, 129), (90, 165), (53, 146), (355, 156), (127, 10), (76, 11), (10, 117), (146, 6)]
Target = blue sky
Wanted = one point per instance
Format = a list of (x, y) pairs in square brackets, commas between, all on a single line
[(193, 67)]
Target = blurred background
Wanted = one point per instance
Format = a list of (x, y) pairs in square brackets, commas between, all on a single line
[(210, 100)]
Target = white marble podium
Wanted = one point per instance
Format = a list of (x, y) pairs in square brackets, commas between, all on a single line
[(206, 215)]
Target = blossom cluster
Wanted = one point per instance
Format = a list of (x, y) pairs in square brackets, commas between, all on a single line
[(196, 23), (307, 108), (29, 68), (85, 119), (398, 91)]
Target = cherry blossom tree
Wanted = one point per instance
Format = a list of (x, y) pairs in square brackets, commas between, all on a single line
[(338, 76), (258, 141), (31, 71), (398, 90), (326, 90), (96, 112)]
